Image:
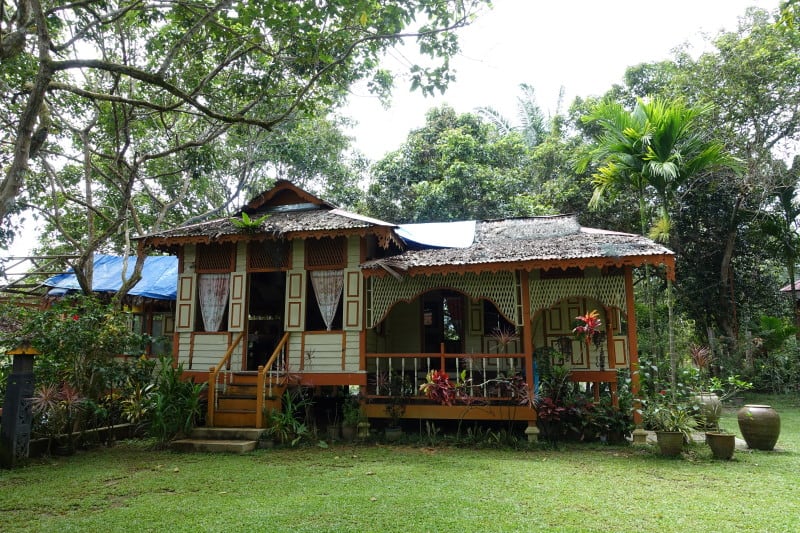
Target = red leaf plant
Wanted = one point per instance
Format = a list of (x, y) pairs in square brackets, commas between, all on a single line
[(438, 387), (588, 326)]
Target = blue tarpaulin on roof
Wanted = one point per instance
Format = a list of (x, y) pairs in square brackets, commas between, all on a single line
[(159, 277)]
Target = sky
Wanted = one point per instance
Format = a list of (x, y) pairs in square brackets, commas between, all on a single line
[(583, 45)]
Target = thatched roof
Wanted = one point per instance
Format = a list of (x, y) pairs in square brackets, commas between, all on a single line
[(538, 242), (289, 212)]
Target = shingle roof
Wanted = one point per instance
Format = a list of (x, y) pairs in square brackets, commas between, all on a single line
[(556, 238)]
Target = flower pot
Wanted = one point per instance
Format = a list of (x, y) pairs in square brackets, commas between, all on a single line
[(760, 426), (722, 444), (348, 433), (670, 443), (333, 432), (393, 433), (710, 408)]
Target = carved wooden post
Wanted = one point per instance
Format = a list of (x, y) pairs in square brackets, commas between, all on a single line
[(15, 431)]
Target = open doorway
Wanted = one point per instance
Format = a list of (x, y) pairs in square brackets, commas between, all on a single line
[(443, 321), (265, 323)]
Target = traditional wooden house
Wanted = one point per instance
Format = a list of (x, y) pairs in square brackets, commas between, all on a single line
[(311, 293)]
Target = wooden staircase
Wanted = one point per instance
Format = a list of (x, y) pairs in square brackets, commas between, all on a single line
[(237, 401)]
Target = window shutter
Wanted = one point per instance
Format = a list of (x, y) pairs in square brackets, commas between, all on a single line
[(353, 300), (236, 315), (295, 300), (185, 311)]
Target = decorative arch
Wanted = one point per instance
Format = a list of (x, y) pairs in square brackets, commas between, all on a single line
[(501, 288), (608, 290)]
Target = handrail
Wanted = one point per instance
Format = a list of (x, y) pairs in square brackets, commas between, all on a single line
[(213, 373), (262, 378)]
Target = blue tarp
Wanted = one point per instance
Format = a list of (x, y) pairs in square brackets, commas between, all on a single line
[(159, 277), (438, 234)]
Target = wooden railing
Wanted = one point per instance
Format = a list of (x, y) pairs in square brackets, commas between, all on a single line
[(214, 373), (486, 373), (270, 374)]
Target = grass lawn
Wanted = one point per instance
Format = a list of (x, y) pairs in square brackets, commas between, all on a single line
[(384, 488)]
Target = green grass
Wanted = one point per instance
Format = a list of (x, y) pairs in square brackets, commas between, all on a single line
[(382, 488)]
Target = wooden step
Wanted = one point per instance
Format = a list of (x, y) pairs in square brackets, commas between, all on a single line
[(235, 418), (236, 403)]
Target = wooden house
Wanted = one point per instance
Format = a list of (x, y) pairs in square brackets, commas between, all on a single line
[(317, 295)]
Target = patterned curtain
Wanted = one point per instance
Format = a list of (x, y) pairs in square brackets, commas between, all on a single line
[(328, 289), (213, 299)]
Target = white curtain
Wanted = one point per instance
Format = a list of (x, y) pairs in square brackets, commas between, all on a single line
[(213, 299), (328, 289)]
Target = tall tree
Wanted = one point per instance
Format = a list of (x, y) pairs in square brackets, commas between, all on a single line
[(656, 150), (216, 63), (455, 167)]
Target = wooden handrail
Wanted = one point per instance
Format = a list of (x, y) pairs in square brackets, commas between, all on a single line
[(213, 372), (262, 377)]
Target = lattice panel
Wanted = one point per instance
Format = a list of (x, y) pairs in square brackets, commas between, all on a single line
[(214, 257), (501, 288), (327, 252), (268, 255), (608, 290)]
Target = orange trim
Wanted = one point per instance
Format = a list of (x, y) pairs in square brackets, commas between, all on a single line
[(344, 350), (633, 341), (527, 326), (544, 264)]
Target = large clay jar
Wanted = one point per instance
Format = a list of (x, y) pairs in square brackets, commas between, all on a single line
[(710, 409), (760, 426)]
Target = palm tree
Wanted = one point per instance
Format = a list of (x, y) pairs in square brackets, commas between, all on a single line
[(533, 125), (780, 227), (653, 151)]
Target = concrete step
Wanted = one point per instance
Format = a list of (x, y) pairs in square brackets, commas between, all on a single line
[(232, 433), (214, 445)]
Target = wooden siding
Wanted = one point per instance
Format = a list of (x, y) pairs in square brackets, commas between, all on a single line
[(199, 351), (323, 351)]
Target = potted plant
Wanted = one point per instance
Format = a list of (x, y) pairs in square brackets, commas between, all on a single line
[(722, 443), (351, 416), (396, 405), (673, 423)]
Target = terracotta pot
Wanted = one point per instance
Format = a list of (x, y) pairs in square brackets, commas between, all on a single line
[(722, 444), (710, 408), (670, 443), (760, 426), (349, 433), (393, 433)]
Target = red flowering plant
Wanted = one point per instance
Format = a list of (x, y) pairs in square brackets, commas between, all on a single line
[(588, 326)]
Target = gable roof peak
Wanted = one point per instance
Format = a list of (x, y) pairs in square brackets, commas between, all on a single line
[(284, 193)]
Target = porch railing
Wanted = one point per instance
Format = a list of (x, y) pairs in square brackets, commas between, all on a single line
[(271, 375), (221, 369), (486, 376)]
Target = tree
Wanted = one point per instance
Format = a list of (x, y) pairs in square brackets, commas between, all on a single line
[(533, 126), (654, 150), (213, 63), (128, 98), (456, 167)]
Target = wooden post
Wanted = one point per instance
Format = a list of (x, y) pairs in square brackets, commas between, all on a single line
[(15, 431), (212, 384)]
